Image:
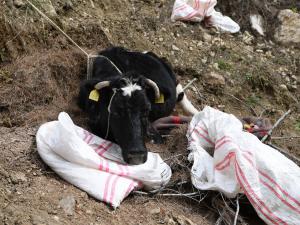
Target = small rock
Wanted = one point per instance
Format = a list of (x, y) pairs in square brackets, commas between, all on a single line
[(18, 177), (182, 220), (206, 37), (216, 66), (283, 87), (56, 218), (288, 79), (204, 60), (18, 3), (160, 39), (68, 204), (294, 77), (68, 5), (289, 30), (191, 48), (200, 43), (48, 7), (215, 79), (154, 211), (293, 87), (175, 48)]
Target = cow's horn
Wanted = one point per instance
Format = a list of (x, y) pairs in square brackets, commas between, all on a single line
[(154, 86), (102, 84)]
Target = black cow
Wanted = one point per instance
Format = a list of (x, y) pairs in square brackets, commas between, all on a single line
[(127, 90)]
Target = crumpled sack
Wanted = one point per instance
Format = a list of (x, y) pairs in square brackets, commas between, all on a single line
[(198, 10), (96, 165), (243, 164)]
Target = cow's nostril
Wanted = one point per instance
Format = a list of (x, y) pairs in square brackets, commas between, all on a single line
[(136, 159)]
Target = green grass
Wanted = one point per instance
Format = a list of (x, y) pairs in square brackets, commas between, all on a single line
[(253, 100), (223, 65)]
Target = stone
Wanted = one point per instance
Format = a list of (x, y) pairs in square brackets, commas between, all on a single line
[(68, 204), (182, 220), (48, 8), (214, 79), (283, 87), (154, 211), (18, 177), (175, 48), (247, 38), (288, 31), (206, 37), (18, 3)]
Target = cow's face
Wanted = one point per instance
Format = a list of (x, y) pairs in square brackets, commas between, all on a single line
[(129, 109)]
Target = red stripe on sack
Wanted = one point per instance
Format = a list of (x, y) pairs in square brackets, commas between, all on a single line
[(106, 188), (176, 120), (100, 146), (205, 138), (122, 173), (89, 139), (274, 191), (278, 195), (107, 166), (262, 204), (251, 200), (226, 159), (130, 188), (203, 129), (222, 138), (101, 165), (85, 135), (179, 8), (105, 148), (281, 189), (113, 189), (222, 143)]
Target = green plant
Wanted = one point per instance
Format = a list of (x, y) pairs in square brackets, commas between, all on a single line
[(252, 100), (224, 65)]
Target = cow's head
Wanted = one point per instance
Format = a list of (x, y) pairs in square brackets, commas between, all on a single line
[(128, 110)]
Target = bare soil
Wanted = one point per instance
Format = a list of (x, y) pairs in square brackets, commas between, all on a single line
[(40, 72)]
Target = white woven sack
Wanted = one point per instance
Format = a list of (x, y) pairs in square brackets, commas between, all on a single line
[(96, 165), (241, 163), (197, 10)]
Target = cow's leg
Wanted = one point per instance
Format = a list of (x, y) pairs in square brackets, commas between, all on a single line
[(184, 102)]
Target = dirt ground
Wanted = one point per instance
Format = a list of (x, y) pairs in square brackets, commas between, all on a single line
[(40, 72)]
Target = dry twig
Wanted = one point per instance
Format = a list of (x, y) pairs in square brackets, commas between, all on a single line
[(275, 125)]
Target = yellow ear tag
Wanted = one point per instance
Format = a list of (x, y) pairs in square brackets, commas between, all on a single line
[(94, 95), (161, 99)]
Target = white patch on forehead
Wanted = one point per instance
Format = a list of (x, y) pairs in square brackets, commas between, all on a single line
[(130, 88)]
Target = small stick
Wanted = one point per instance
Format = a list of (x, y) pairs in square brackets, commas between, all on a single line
[(287, 154), (275, 125), (168, 194), (92, 4), (280, 138), (189, 84), (237, 210)]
